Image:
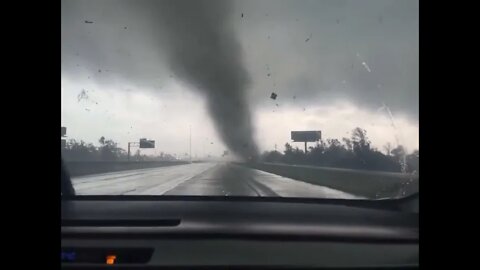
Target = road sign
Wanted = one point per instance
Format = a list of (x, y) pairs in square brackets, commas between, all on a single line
[(306, 136), (144, 143)]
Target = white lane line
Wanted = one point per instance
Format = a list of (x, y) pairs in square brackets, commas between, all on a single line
[(287, 187), (164, 187)]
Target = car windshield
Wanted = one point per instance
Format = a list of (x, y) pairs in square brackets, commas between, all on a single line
[(273, 98)]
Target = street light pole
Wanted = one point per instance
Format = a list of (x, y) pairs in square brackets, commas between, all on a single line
[(190, 143), (128, 155)]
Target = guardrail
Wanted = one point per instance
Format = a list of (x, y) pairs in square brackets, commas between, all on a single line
[(370, 184), (79, 168)]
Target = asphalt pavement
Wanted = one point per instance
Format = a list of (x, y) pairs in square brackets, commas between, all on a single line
[(208, 179)]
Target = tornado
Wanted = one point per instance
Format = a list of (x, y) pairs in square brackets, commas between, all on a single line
[(202, 50)]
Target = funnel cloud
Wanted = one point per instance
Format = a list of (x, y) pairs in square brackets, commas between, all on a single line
[(202, 50)]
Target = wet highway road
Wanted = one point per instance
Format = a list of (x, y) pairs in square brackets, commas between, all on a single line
[(208, 179)]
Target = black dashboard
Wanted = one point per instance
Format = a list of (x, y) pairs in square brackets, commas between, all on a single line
[(175, 232)]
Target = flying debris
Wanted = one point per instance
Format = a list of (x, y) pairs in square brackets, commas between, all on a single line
[(88, 22), (273, 95), (309, 37), (82, 95)]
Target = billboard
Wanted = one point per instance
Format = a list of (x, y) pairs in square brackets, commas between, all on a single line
[(144, 143), (306, 136)]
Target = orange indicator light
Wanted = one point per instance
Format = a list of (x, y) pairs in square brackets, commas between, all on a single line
[(111, 259)]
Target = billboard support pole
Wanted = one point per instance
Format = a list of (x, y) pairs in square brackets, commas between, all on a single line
[(305, 147)]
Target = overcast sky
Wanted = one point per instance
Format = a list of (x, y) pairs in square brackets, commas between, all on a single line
[(334, 65)]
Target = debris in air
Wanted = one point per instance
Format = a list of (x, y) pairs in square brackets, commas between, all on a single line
[(364, 63), (294, 97), (99, 70), (82, 95), (268, 74), (276, 104), (87, 109), (366, 67), (310, 36), (303, 109), (273, 95), (242, 15), (125, 27), (88, 22)]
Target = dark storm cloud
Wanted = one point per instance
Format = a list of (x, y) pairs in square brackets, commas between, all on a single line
[(146, 42), (384, 33)]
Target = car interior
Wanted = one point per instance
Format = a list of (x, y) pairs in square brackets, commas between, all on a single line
[(201, 232)]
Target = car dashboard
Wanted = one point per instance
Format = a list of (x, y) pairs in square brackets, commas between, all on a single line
[(189, 233)]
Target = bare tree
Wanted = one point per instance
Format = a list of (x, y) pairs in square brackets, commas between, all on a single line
[(388, 148)]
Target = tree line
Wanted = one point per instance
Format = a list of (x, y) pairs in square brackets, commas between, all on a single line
[(355, 152), (107, 150)]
